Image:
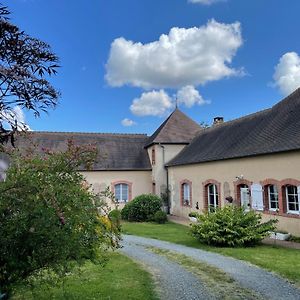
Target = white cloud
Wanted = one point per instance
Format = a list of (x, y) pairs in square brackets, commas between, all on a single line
[(189, 96), (287, 73), (127, 122), (183, 57), (205, 2), (9, 117), (155, 103)]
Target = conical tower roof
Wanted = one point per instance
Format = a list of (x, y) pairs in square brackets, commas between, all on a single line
[(178, 128)]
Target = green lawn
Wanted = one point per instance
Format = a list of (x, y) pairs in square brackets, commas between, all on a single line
[(283, 261), (121, 278)]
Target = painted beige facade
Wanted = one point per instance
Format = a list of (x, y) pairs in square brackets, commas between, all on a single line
[(163, 154), (255, 169), (100, 180)]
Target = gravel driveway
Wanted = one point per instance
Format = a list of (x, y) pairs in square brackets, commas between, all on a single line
[(177, 283)]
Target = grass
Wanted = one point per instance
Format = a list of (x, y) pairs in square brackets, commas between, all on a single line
[(283, 261), (120, 278), (221, 285)]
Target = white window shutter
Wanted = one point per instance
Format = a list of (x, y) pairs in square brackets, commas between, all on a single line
[(257, 196)]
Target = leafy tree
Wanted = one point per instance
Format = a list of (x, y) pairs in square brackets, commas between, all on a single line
[(50, 220), (25, 65)]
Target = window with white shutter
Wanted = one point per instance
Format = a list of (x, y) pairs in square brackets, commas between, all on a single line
[(257, 197)]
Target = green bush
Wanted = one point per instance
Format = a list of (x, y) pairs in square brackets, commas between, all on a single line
[(125, 212), (142, 208), (115, 217), (231, 226), (193, 214), (160, 217)]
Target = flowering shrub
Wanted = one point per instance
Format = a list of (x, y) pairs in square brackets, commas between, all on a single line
[(49, 217), (231, 226)]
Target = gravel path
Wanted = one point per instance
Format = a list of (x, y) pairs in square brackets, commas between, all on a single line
[(267, 284), (173, 281)]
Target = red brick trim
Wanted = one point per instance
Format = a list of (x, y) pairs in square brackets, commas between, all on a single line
[(282, 196), (265, 183), (181, 192), (114, 183), (205, 192), (237, 184), (290, 181)]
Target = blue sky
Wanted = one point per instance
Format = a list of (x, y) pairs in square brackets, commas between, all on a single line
[(221, 61)]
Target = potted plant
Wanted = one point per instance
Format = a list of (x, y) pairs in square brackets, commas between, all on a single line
[(280, 235), (193, 216)]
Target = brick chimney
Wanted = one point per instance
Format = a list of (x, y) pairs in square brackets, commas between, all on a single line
[(218, 120)]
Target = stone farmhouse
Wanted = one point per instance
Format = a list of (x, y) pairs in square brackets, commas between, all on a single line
[(253, 161)]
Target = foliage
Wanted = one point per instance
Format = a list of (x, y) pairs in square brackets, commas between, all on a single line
[(160, 217), (25, 64), (293, 238), (165, 197), (141, 208), (115, 217), (125, 212), (231, 226), (193, 214), (49, 218)]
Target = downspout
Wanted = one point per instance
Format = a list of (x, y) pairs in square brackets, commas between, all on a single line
[(167, 173), (168, 192)]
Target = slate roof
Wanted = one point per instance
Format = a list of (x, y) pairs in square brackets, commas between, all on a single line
[(178, 128), (269, 131), (116, 151)]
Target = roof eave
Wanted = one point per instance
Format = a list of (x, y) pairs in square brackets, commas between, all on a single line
[(230, 158)]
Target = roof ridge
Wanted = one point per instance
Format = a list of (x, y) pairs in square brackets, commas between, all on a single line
[(91, 133), (239, 119)]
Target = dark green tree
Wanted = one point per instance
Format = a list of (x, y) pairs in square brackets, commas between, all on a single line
[(26, 64)]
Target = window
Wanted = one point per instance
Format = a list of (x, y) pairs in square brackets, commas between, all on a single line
[(273, 197), (153, 188), (186, 194), (213, 197), (153, 156), (292, 199), (122, 192)]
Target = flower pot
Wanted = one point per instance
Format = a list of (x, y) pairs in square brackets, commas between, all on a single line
[(280, 236)]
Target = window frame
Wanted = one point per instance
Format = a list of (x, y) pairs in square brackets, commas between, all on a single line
[(186, 193), (269, 197), (186, 186), (215, 195), (129, 190), (296, 203)]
